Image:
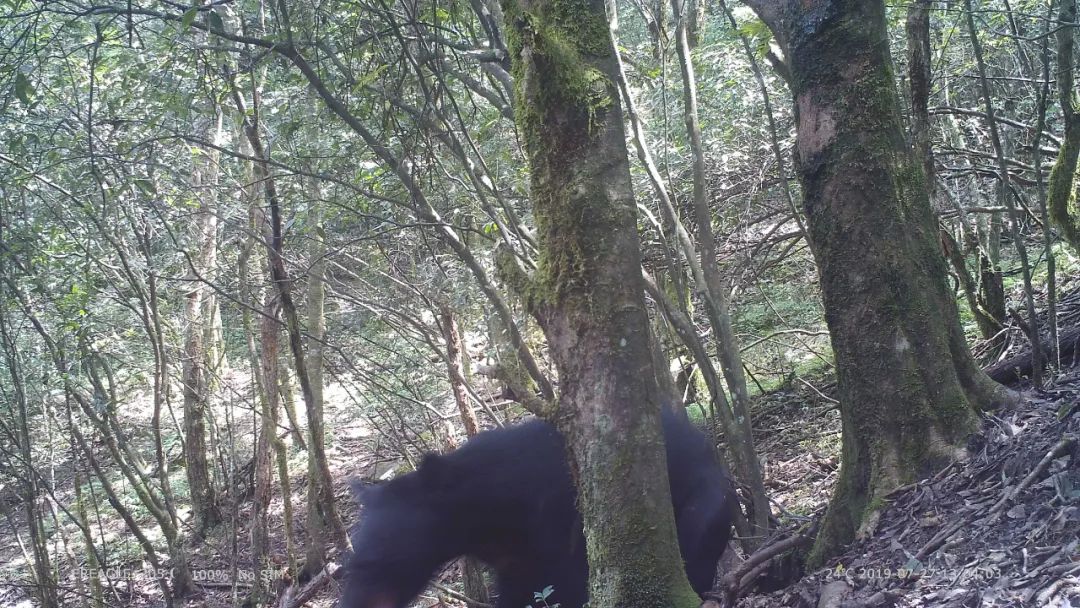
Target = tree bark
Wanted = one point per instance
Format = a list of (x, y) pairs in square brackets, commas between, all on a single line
[(204, 507), (260, 528), (908, 386), (1006, 199), (318, 523), (1061, 193), (673, 297), (715, 292), (455, 370), (472, 573), (1044, 212), (587, 295), (919, 74), (44, 587), (283, 285), (93, 566)]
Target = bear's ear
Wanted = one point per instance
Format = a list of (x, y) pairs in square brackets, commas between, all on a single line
[(433, 471)]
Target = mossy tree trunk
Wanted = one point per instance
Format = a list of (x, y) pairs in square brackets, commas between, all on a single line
[(909, 388), (588, 296), (1061, 194)]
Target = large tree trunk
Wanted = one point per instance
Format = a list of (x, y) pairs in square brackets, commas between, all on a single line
[(588, 297), (909, 389), (1061, 193)]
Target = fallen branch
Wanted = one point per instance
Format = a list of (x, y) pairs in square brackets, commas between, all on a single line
[(939, 539), (461, 597), (739, 579), (1012, 370), (1057, 451), (295, 599), (944, 535)]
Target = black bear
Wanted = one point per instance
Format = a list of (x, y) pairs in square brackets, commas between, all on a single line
[(507, 498)]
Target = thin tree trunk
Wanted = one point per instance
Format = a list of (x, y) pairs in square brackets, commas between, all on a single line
[(281, 455), (45, 589), (694, 19), (125, 514), (288, 401), (471, 570), (1048, 236), (714, 289), (153, 327), (249, 277), (919, 74), (318, 523), (204, 506), (1007, 201), (260, 528), (283, 285), (455, 369), (121, 458), (737, 431), (93, 566)]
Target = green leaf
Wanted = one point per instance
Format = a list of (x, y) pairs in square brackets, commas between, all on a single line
[(914, 565), (215, 22), (23, 89), (147, 186), (1066, 410), (189, 18), (370, 76)]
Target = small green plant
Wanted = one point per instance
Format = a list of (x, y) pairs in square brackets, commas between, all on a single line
[(540, 598)]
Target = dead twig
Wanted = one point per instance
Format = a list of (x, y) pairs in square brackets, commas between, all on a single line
[(295, 599), (461, 596), (1058, 451), (740, 578)]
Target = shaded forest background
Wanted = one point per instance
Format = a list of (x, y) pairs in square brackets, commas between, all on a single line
[(250, 249)]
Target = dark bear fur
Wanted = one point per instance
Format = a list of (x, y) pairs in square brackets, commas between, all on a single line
[(507, 498)]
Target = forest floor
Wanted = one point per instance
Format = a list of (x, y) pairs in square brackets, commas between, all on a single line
[(1000, 529)]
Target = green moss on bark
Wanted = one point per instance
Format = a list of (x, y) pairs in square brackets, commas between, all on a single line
[(562, 96), (907, 388), (1061, 189)]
